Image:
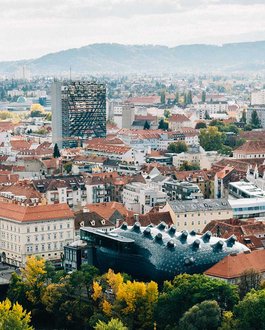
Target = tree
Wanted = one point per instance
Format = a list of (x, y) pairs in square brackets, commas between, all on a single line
[(225, 150), (132, 301), (146, 125), (211, 139), (113, 324), (163, 97), (250, 312), (176, 101), (37, 110), (200, 125), (166, 113), (249, 279), (162, 125), (203, 96), (205, 315), (68, 167), (189, 98), (13, 317), (186, 291), (177, 147), (33, 276), (244, 117), (56, 151), (187, 166), (255, 121), (206, 115)]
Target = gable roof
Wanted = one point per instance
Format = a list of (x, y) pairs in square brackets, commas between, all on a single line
[(233, 266), (107, 209), (35, 213)]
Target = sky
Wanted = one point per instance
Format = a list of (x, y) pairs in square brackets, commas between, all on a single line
[(32, 28)]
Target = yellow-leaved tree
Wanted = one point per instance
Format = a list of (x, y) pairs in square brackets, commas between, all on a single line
[(33, 276), (132, 301), (13, 317)]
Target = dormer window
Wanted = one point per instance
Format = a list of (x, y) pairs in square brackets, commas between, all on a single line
[(92, 223), (103, 222)]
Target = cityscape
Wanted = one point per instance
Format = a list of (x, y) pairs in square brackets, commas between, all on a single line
[(132, 171)]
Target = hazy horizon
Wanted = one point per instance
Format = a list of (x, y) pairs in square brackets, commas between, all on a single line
[(33, 28)]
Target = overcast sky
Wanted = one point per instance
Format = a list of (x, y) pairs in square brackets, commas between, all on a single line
[(31, 28)]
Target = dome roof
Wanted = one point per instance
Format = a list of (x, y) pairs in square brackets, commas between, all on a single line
[(21, 99)]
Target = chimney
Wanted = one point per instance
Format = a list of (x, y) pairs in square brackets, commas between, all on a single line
[(136, 217), (85, 210)]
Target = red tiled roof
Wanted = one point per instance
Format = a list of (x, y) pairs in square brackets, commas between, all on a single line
[(233, 266), (35, 213), (251, 147), (106, 210), (154, 99), (20, 145), (178, 118)]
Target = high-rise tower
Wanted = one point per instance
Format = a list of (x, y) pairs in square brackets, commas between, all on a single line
[(78, 111)]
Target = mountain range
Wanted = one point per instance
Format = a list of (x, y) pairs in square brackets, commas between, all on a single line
[(117, 58)]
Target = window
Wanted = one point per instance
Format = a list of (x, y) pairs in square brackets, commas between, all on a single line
[(36, 238), (42, 237), (36, 228), (42, 247), (36, 248), (54, 227), (54, 235), (61, 235), (28, 229), (68, 225), (61, 226), (49, 236), (28, 239), (48, 227), (49, 246)]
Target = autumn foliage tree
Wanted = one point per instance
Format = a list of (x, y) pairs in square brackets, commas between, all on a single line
[(14, 317), (133, 301)]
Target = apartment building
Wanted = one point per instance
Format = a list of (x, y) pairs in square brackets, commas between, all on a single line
[(41, 230), (196, 214), (141, 198)]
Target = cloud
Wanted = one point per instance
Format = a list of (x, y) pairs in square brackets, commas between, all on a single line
[(36, 27)]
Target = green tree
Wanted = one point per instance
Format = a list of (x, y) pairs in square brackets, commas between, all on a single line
[(146, 125), (113, 324), (225, 150), (162, 125), (211, 139), (248, 127), (56, 151), (176, 101), (250, 312), (68, 167), (200, 125), (177, 147), (189, 97), (206, 115), (205, 315), (186, 291), (244, 117), (163, 97), (167, 113), (187, 166), (255, 121), (203, 96), (249, 279), (13, 317)]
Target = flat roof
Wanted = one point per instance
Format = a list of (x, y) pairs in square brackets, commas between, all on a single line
[(248, 188), (109, 235)]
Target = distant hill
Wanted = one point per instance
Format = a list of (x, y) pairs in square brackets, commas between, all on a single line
[(117, 58)]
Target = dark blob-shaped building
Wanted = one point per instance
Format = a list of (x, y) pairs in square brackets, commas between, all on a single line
[(158, 253)]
